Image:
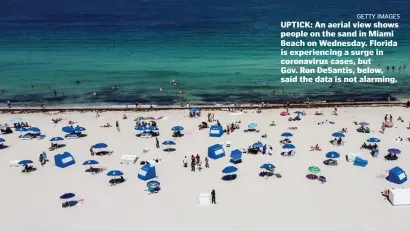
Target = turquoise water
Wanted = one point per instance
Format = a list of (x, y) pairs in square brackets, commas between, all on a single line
[(218, 52)]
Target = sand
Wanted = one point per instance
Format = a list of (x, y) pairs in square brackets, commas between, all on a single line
[(350, 200)]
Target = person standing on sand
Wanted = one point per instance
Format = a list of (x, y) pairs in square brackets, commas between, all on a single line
[(185, 162), (8, 104), (92, 151), (206, 162), (157, 142), (383, 128), (213, 195), (117, 125)]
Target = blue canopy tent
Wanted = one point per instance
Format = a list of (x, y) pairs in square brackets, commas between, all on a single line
[(397, 175), (360, 162), (236, 156), (64, 160), (147, 172), (216, 151), (216, 131)]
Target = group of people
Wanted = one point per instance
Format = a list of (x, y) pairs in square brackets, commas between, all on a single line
[(21, 125), (196, 162), (231, 127)]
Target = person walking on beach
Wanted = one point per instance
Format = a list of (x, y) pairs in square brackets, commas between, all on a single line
[(206, 162), (185, 162), (8, 104), (383, 128), (213, 195), (385, 118), (117, 125), (198, 158), (391, 118), (192, 166), (157, 142)]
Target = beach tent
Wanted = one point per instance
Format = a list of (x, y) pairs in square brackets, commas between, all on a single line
[(397, 175), (64, 160), (147, 172), (236, 154), (216, 151), (216, 131), (399, 196), (360, 162)]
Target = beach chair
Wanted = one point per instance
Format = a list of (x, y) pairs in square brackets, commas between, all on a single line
[(72, 136), (228, 144), (129, 159)]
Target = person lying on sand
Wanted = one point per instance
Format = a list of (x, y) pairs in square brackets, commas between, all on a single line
[(264, 135), (273, 123), (315, 148), (124, 117), (398, 139), (285, 141), (400, 119), (344, 130), (108, 125), (355, 123), (292, 128), (319, 113)]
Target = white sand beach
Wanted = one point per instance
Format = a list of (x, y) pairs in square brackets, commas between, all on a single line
[(350, 199)]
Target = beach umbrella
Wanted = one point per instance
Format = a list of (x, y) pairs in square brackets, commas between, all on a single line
[(140, 128), (364, 124), (17, 120), (152, 128), (68, 129), (100, 145), (139, 118), (67, 196), (298, 112), (288, 146), (23, 162), (332, 155), (177, 128), (373, 140), (79, 129), (287, 134), (153, 184), (229, 170), (338, 134), (2, 140), (314, 169), (150, 118), (115, 173), (252, 125), (193, 110), (34, 129), (3, 127), (56, 139), (236, 154), (257, 145), (90, 162), (268, 166), (21, 129), (168, 142), (394, 151)]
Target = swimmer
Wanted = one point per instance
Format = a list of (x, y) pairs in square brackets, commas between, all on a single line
[(77, 81), (387, 67), (160, 89), (94, 93)]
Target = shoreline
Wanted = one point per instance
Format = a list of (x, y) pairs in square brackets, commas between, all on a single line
[(88, 108)]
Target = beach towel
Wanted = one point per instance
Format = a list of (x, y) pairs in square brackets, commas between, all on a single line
[(283, 113)]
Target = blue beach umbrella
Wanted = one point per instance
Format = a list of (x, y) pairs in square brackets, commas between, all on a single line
[(257, 145), (56, 139), (229, 170), (177, 128), (23, 162), (140, 128), (153, 184), (373, 140), (2, 140), (338, 134), (193, 110), (268, 166), (298, 112), (66, 196), (100, 145), (152, 128), (90, 162), (288, 146), (287, 134), (168, 142), (332, 155), (364, 124), (68, 129), (394, 151), (252, 125), (34, 129), (79, 129), (115, 173), (17, 120), (236, 154), (21, 129)]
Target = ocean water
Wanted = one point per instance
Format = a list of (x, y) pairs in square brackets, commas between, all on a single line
[(218, 51)]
